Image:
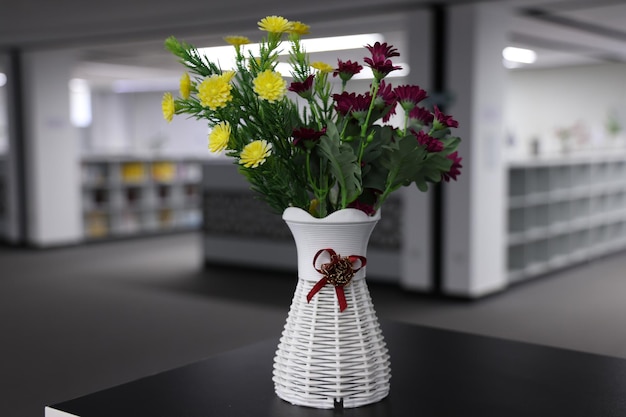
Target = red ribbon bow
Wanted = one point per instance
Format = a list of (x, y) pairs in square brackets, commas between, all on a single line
[(338, 272)]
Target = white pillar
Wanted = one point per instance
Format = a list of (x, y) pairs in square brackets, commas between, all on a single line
[(9, 224), (474, 207), (52, 150), (417, 252)]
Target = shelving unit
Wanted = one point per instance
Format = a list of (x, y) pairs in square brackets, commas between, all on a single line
[(129, 196), (564, 211)]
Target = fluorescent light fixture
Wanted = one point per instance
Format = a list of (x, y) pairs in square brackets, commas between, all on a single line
[(3, 79), (366, 72), (80, 102), (340, 43), (520, 55), (284, 69), (224, 56)]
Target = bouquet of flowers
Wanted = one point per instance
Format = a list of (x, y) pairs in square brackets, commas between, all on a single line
[(302, 144)]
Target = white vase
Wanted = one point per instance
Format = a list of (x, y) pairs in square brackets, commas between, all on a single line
[(328, 358)]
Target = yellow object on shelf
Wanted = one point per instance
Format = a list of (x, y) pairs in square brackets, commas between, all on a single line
[(133, 172), (166, 218), (96, 225), (163, 171)]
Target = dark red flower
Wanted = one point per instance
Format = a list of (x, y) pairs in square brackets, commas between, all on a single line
[(306, 138), (431, 144), (364, 207), (421, 114), (352, 103), (409, 96), (385, 92), (386, 99), (444, 120), (304, 89), (347, 70), (379, 62), (454, 169), (382, 51)]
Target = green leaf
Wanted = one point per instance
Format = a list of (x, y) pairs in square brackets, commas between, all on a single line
[(383, 136), (440, 134), (450, 144), (375, 177), (342, 163), (403, 162)]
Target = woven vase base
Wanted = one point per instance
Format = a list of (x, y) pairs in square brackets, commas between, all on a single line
[(326, 357)]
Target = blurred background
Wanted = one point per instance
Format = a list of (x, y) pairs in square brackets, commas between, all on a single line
[(129, 249)]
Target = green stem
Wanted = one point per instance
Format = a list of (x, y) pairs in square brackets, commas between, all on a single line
[(343, 129), (316, 110), (364, 142), (406, 123), (318, 192), (373, 93), (362, 147), (323, 192), (388, 188), (308, 172)]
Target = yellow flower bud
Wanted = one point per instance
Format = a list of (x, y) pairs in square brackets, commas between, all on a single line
[(322, 67), (185, 86), (237, 41), (168, 106)]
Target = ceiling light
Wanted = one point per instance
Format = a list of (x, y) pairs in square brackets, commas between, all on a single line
[(3, 79), (366, 73), (80, 102), (224, 56), (340, 43), (521, 55)]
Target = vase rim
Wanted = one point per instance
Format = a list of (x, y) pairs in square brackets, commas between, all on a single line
[(347, 215)]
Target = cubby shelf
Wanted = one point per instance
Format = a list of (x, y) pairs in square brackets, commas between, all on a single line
[(128, 196), (564, 211)]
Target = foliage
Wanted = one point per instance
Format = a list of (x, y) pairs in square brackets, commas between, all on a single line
[(322, 151)]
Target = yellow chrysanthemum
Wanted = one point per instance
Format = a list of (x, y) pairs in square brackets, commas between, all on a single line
[(214, 91), (185, 86), (299, 28), (228, 75), (270, 86), (275, 24), (237, 41), (168, 106), (322, 66), (255, 153), (219, 137)]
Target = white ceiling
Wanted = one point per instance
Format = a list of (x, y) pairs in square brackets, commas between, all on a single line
[(572, 32), (124, 38)]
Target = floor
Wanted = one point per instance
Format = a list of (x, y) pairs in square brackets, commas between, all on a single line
[(79, 319)]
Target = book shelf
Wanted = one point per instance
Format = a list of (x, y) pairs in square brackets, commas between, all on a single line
[(130, 196), (562, 212)]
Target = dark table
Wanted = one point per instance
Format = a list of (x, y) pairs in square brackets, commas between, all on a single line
[(434, 373)]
